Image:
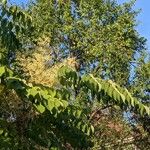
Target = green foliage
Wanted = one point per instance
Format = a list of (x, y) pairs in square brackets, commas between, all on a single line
[(118, 95), (81, 27), (47, 102), (13, 22), (102, 39)]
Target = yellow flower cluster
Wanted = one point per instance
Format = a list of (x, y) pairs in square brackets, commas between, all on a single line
[(36, 69)]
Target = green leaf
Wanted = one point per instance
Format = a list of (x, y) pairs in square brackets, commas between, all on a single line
[(1, 131), (4, 2), (78, 113), (92, 129), (15, 83), (2, 71), (13, 10), (147, 110), (51, 105), (33, 91), (84, 127), (40, 108), (141, 109), (65, 103)]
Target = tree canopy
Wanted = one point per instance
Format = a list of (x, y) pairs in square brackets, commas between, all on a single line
[(71, 72)]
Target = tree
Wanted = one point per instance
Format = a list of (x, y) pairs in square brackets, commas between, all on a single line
[(79, 28), (38, 114)]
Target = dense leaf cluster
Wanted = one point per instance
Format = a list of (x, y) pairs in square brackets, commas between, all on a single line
[(81, 110)]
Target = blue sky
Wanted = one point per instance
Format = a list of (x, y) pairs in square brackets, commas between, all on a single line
[(143, 17)]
